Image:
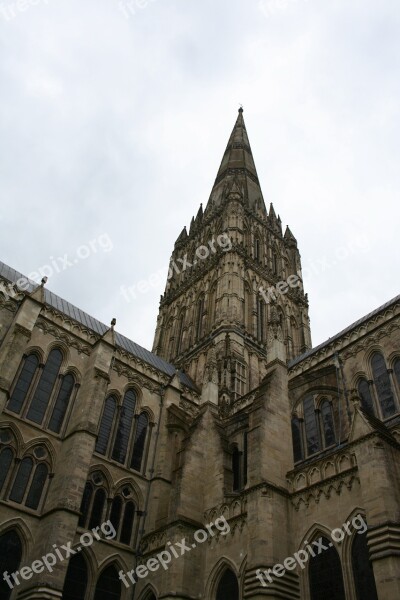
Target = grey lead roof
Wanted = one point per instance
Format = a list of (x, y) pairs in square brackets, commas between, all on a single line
[(96, 326), (298, 359)]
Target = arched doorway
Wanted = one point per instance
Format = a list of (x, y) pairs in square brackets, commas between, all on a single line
[(325, 574), (228, 587), (10, 559)]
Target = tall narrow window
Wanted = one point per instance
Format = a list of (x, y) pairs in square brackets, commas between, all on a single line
[(236, 460), (260, 320), (140, 440), (23, 384), (106, 424), (228, 587), (365, 395), (124, 427), (396, 371), (76, 580), (382, 385), (85, 504), (245, 456), (327, 423), (96, 518), (47, 381), (61, 404), (364, 579), (180, 333), (127, 523), (325, 574), (115, 513), (22, 479), (109, 585), (297, 442), (311, 426), (257, 248), (10, 559), (37, 486), (199, 317), (274, 262), (6, 459)]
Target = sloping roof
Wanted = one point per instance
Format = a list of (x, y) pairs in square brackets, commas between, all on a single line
[(354, 325), (97, 327)]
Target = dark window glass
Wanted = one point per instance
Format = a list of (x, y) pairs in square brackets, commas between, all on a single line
[(6, 458), (21, 480), (115, 513), (22, 386), (127, 523), (37, 486), (396, 370), (124, 427), (106, 424), (328, 426), (61, 404), (140, 440), (76, 580), (245, 456), (362, 569), (274, 262), (10, 559), (296, 437), (45, 387), (85, 504), (108, 586), (199, 318), (311, 426), (365, 395), (325, 573), (260, 320), (180, 334), (228, 588), (257, 249), (236, 469), (96, 518), (383, 385)]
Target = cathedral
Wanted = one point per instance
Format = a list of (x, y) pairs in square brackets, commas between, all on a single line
[(235, 461)]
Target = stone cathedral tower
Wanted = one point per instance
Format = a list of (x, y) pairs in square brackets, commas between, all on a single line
[(212, 300)]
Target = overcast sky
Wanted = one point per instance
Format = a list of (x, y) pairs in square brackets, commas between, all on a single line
[(114, 117)]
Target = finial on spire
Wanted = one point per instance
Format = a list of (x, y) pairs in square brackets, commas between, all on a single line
[(241, 108)]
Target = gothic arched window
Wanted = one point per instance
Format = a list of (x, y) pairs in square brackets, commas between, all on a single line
[(181, 322), (327, 423), (257, 248), (140, 442), (10, 559), (24, 382), (364, 579), (106, 425), (124, 427), (311, 427), (260, 320), (85, 504), (125, 536), (76, 580), (44, 389), (6, 460), (274, 261), (298, 453), (365, 394), (61, 403), (108, 585), (199, 317), (97, 513), (383, 385), (236, 460), (30, 480), (325, 574), (396, 371), (228, 587)]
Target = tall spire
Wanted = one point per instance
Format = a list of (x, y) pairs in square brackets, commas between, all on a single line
[(237, 166)]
